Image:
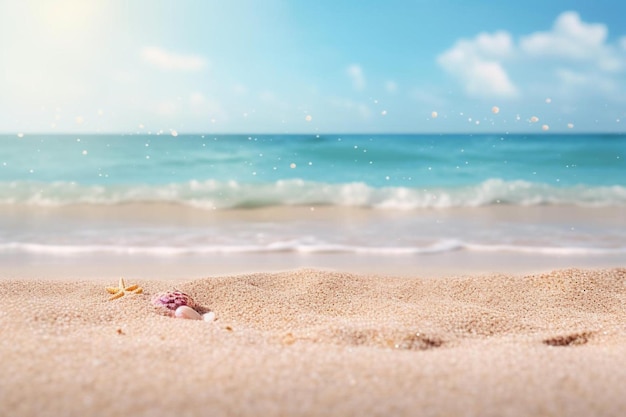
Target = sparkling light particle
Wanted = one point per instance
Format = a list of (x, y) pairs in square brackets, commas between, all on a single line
[(570, 125), (292, 165), (79, 120), (545, 128), (383, 113), (174, 133), (308, 118), (548, 100), (20, 135), (84, 152), (534, 119), (434, 115), (495, 109)]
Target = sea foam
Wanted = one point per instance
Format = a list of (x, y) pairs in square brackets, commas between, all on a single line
[(211, 194), (438, 247)]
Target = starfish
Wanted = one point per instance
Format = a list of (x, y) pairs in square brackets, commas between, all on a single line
[(122, 289)]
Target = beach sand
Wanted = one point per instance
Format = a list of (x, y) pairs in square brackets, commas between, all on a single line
[(312, 342)]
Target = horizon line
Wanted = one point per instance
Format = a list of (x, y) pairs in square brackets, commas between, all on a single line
[(168, 133)]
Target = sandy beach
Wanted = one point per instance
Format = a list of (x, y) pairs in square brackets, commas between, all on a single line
[(311, 342), (348, 208)]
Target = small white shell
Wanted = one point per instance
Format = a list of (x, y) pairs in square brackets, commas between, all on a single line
[(185, 312), (210, 316)]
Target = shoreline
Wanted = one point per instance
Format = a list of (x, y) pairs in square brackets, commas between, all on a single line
[(98, 267), (158, 241), (310, 342)]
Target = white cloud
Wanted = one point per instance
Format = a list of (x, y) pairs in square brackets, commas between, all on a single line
[(573, 39), (498, 45), (477, 64), (355, 72), (570, 38), (171, 61), (573, 53)]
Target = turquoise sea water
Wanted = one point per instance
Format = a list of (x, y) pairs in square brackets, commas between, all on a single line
[(410, 186), (392, 171)]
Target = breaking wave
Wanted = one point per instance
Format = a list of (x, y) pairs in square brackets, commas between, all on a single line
[(213, 194)]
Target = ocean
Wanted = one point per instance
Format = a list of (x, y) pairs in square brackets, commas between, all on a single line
[(387, 196)]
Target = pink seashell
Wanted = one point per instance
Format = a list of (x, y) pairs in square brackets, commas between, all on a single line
[(169, 301), (184, 312)]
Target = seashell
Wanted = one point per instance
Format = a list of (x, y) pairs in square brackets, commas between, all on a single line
[(185, 312), (169, 301), (210, 316)]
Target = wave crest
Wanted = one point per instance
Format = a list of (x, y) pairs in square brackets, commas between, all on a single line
[(211, 194)]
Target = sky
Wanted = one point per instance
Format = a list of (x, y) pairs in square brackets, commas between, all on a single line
[(325, 66)]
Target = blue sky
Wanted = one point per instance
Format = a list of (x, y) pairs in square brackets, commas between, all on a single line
[(270, 66)]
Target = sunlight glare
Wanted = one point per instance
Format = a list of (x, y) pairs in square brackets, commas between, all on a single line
[(63, 16)]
